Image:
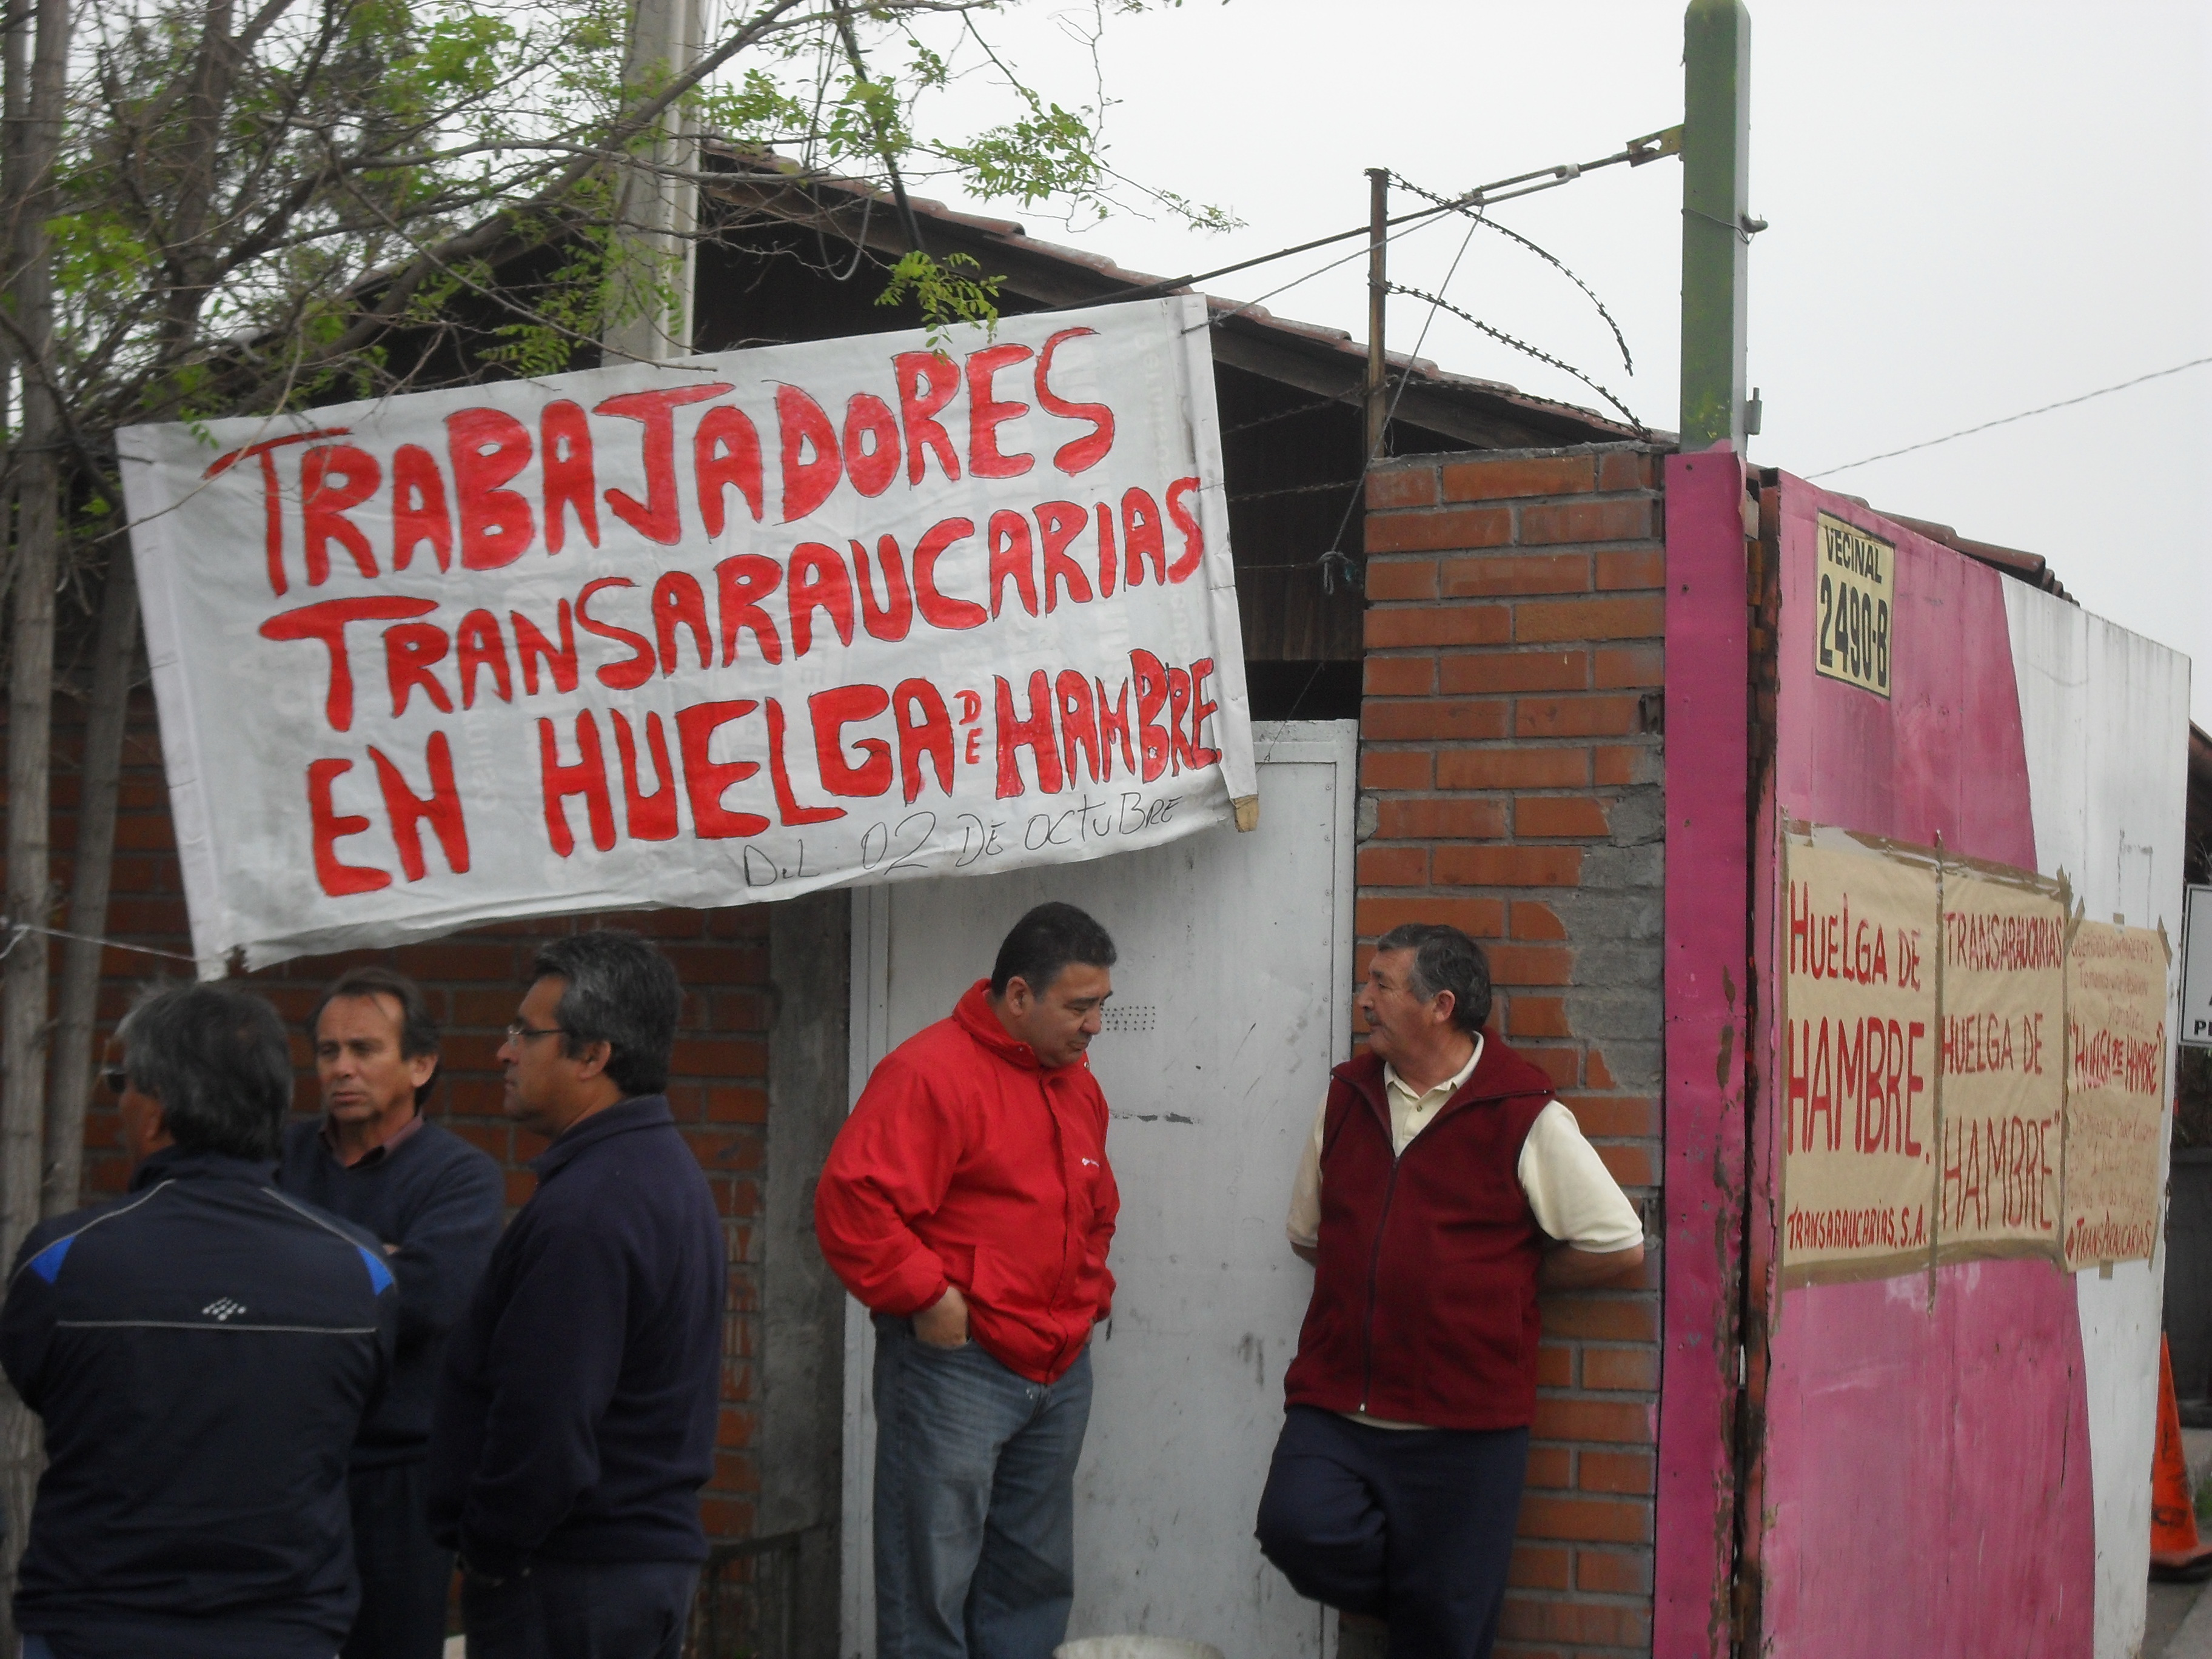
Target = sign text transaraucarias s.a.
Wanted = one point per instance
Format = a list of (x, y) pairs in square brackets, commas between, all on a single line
[(699, 634)]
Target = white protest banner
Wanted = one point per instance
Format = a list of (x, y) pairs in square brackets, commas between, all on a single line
[(700, 633)]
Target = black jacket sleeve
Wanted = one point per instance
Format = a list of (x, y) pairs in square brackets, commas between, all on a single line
[(443, 1249)]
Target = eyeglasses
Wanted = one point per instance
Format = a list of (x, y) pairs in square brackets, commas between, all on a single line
[(518, 1032), (116, 1078)]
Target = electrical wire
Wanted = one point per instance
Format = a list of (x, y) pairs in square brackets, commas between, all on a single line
[(2007, 420)]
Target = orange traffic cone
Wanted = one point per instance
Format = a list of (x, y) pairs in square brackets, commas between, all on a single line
[(2174, 1550)]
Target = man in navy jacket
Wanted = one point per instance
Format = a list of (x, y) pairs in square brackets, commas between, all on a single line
[(575, 1421), (202, 1351), (435, 1203)]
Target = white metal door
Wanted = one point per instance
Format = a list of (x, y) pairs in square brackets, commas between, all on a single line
[(1231, 1003)]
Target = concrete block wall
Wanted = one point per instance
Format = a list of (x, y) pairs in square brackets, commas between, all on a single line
[(719, 1089), (1510, 766)]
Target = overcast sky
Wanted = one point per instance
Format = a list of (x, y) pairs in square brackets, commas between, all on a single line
[(1975, 207)]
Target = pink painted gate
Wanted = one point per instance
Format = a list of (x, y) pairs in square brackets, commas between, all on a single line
[(1952, 1463)]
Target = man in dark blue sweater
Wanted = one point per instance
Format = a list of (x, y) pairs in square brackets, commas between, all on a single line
[(575, 1421), (203, 1351), (435, 1203)]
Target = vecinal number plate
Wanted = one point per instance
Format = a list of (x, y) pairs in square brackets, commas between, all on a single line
[(1857, 594)]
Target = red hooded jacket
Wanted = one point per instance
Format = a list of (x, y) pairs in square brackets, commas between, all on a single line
[(967, 1163)]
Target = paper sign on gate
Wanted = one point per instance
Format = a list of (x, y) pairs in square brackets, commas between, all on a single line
[(698, 632), (2002, 1063), (2116, 1008), (1860, 1040)]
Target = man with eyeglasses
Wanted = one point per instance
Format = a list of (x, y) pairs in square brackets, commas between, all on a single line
[(575, 1421), (436, 1202), (202, 1351)]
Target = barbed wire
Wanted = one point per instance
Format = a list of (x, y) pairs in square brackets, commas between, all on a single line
[(1475, 212), (1520, 345)]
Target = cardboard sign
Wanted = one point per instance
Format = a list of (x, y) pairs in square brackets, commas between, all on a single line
[(1859, 1031), (699, 633), (1857, 603), (2002, 1063), (2116, 1008)]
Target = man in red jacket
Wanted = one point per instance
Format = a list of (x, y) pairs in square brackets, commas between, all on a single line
[(1441, 1188), (968, 1204)]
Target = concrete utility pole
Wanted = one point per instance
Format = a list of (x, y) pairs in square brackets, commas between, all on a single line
[(649, 309), (1716, 219)]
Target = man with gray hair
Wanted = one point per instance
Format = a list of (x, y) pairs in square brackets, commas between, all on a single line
[(575, 1421), (203, 1351), (1441, 1189)]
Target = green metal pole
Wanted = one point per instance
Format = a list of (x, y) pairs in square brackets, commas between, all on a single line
[(1716, 189)]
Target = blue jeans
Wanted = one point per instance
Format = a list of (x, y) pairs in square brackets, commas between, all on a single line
[(974, 1501), (1410, 1525)]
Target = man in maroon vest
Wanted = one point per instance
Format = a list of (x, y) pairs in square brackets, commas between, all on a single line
[(1441, 1189)]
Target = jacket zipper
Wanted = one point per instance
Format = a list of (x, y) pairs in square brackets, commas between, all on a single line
[(1374, 1267)]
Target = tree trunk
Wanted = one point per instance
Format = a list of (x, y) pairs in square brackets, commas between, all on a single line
[(99, 777), (23, 1028)]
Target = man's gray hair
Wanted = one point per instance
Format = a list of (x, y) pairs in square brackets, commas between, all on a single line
[(217, 1059), (1445, 959), (621, 992)]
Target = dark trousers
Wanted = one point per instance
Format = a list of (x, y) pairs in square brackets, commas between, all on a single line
[(404, 1576), (1413, 1525), (581, 1610)]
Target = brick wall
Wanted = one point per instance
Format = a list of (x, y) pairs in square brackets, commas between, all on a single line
[(718, 1088), (1510, 768)]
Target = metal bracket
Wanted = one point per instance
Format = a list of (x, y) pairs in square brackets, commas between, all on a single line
[(1668, 141)]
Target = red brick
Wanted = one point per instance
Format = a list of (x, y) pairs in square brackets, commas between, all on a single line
[(1555, 1367), (1537, 620), (1481, 917), (1612, 1572), (1458, 527), (1539, 1566), (1516, 671), (1449, 818), (1624, 469), (1550, 1467), (1509, 866), (1535, 921), (1401, 676), (1513, 768), (1620, 1368), (1382, 768), (1388, 627), (1586, 522), (1505, 572), (1616, 1115), (1621, 1472), (1599, 1520), (1562, 1065), (1400, 578), (1394, 866), (1601, 1624), (1558, 816), (734, 1428), (1642, 567), (1530, 964), (1631, 1165), (1617, 768), (1463, 720), (1600, 1074), (1506, 478), (1402, 486), (1600, 1318), (1576, 717), (1638, 666), (718, 1057), (1537, 1017)]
